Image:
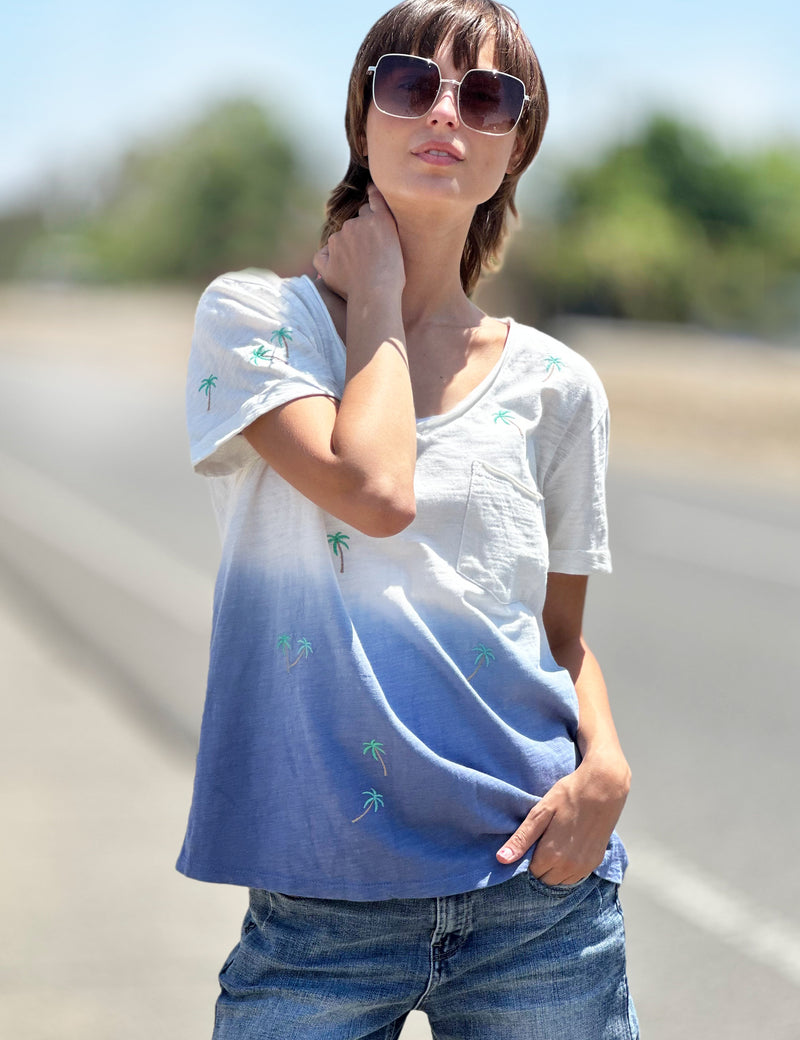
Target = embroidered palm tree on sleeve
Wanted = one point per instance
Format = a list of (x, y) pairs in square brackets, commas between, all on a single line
[(504, 416), (377, 750), (261, 353), (374, 801), (305, 650), (338, 543), (552, 364), (206, 386), (282, 337), (485, 656)]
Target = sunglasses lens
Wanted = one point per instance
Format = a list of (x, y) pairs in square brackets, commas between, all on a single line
[(405, 85), (491, 101)]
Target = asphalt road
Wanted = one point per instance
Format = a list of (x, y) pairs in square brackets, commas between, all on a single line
[(109, 539)]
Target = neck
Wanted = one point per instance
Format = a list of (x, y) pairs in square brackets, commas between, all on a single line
[(432, 250)]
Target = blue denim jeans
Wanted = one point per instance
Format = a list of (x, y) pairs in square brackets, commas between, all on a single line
[(516, 961)]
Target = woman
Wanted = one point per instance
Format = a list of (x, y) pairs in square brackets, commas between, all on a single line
[(407, 752)]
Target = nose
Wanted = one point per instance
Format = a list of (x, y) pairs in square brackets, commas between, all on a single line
[(445, 107)]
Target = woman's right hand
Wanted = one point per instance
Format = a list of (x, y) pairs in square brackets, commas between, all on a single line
[(365, 254)]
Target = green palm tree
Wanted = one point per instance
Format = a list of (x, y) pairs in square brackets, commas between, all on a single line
[(377, 750), (206, 385), (485, 656), (282, 337), (338, 542), (261, 353), (305, 650), (374, 801), (284, 642), (552, 364), (503, 417)]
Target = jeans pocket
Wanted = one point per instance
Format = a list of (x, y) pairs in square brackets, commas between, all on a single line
[(261, 908), (256, 917), (556, 891), (503, 545)]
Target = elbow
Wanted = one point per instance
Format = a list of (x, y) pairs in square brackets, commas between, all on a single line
[(627, 779), (395, 520), (386, 511), (620, 779)]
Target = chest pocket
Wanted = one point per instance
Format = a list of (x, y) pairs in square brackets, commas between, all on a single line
[(503, 541)]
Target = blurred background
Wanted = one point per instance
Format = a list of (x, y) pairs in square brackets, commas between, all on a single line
[(147, 148)]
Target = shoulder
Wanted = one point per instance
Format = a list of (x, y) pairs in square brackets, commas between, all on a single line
[(560, 373), (258, 310), (256, 292), (259, 341)]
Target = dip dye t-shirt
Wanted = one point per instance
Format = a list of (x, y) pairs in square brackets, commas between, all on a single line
[(381, 713)]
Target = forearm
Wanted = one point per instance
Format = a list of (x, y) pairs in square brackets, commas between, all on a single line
[(374, 436), (356, 458), (597, 738)]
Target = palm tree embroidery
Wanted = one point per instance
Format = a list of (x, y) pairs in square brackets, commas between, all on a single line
[(503, 417), (377, 750), (485, 656), (338, 542), (284, 642), (282, 337), (374, 800), (206, 385), (261, 353), (305, 650), (552, 364)]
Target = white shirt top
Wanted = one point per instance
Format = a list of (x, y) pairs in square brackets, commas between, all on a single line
[(383, 712)]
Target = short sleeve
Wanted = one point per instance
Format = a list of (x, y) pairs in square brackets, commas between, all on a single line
[(256, 346), (574, 491)]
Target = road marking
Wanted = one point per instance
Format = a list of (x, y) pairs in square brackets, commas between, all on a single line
[(705, 902), (105, 545), (717, 539)]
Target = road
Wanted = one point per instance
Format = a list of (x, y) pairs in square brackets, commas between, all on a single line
[(109, 540)]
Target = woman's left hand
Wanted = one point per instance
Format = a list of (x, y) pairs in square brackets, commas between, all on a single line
[(572, 822)]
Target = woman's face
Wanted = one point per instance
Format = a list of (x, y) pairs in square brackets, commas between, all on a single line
[(435, 158)]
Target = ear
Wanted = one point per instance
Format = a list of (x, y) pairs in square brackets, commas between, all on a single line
[(516, 154)]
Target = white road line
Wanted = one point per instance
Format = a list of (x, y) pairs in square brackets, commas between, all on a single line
[(106, 546), (706, 903), (717, 539)]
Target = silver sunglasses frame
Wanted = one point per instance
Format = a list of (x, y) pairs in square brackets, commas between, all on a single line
[(457, 93)]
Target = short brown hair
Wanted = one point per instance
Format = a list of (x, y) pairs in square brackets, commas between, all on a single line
[(418, 27)]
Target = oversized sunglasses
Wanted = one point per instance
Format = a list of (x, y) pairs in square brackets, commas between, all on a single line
[(407, 86)]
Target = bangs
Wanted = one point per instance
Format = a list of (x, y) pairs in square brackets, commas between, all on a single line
[(419, 27)]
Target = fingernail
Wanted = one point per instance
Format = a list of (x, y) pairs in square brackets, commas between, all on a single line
[(505, 854)]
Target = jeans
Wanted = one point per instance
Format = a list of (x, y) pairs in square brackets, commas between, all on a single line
[(519, 960)]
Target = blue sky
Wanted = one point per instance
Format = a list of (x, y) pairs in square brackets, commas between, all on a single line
[(83, 79)]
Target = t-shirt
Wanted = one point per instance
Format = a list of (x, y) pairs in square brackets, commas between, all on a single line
[(382, 713)]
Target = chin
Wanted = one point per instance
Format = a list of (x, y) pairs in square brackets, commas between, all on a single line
[(427, 190)]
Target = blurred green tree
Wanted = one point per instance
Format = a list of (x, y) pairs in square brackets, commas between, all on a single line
[(17, 229), (668, 227), (225, 193), (228, 193)]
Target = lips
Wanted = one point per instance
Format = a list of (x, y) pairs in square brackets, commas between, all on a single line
[(439, 150)]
